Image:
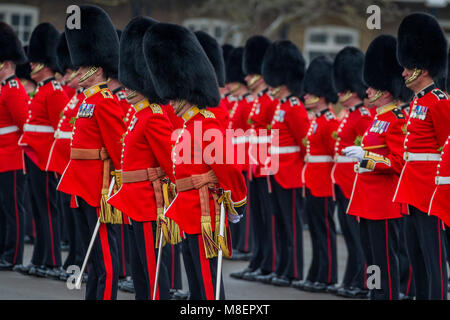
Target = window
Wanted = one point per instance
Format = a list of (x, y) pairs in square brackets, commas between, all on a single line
[(328, 40), (23, 19), (219, 29)]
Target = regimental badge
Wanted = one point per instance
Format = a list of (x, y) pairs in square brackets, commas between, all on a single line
[(329, 115), (364, 111), (86, 110), (294, 101), (379, 126), (56, 85), (13, 83), (439, 94), (121, 95), (419, 112), (133, 123)]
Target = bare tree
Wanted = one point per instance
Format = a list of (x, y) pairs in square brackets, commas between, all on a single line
[(248, 16)]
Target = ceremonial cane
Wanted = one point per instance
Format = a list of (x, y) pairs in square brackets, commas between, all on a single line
[(91, 244), (219, 258)]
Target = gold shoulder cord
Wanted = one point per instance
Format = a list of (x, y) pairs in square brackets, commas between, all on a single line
[(88, 74)]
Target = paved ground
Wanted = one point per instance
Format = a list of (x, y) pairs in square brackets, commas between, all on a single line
[(17, 286)]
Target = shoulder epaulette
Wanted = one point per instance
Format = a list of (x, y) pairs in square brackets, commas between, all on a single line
[(294, 101), (56, 85), (13, 83), (364, 111), (106, 94), (156, 108), (439, 94), (398, 113), (329, 115), (207, 114)]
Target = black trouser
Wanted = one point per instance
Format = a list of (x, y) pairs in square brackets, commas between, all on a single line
[(71, 222), (12, 212), (143, 260), (263, 225), (201, 272), (380, 244), (124, 251), (405, 267), (30, 229), (425, 240), (171, 257), (355, 267), (244, 226), (322, 229), (103, 264), (287, 206), (47, 245)]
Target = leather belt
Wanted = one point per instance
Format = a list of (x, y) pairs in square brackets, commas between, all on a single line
[(409, 156), (284, 150), (63, 134), (343, 159), (37, 128), (318, 159), (442, 180), (10, 129), (88, 154)]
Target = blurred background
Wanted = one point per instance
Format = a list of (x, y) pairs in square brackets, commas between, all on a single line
[(316, 26)]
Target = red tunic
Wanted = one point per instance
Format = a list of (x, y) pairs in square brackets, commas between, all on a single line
[(260, 118), (440, 202), (291, 122), (228, 101), (147, 145), (320, 141), (121, 97), (239, 124), (99, 124), (13, 114), (427, 130), (380, 167), (44, 113), (349, 133), (177, 122), (222, 114), (185, 210), (70, 92), (60, 152)]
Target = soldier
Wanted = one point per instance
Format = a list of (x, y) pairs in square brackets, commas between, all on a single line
[(189, 82), (148, 137), (96, 147), (320, 143), (36, 141), (263, 261), (347, 79), (422, 52), (13, 114), (214, 52), (380, 162), (60, 156), (283, 70), (239, 114)]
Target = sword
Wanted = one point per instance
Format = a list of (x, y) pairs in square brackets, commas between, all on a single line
[(91, 243), (220, 255)]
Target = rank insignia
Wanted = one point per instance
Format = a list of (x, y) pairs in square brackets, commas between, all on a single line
[(419, 112), (379, 126), (56, 85), (86, 110)]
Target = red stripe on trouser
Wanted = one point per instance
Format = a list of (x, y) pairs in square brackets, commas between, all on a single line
[(172, 284), (330, 262), (50, 221), (123, 249), (387, 259), (17, 218), (150, 257), (440, 258), (274, 245), (247, 220), (206, 271), (294, 234), (365, 275), (104, 242), (408, 287)]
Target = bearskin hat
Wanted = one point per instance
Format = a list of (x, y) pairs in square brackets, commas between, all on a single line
[(254, 51), (63, 55), (318, 80), (11, 47), (214, 52), (42, 46), (234, 66)]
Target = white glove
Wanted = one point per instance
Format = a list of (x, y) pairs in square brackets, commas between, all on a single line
[(354, 152), (234, 218)]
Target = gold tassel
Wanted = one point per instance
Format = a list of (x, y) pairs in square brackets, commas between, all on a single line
[(174, 232), (117, 217), (208, 240), (105, 208), (161, 225), (221, 241)]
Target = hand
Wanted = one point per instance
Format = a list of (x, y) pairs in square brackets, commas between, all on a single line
[(354, 152)]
